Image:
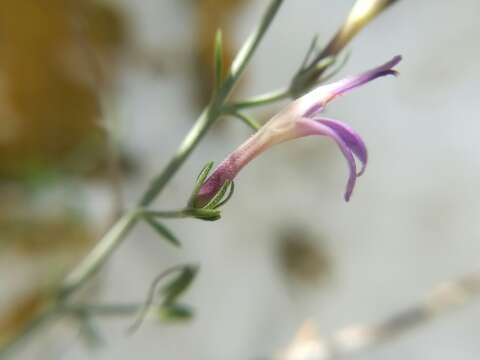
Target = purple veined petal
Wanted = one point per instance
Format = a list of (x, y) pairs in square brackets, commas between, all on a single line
[(315, 110), (313, 127), (353, 140), (342, 86), (319, 97)]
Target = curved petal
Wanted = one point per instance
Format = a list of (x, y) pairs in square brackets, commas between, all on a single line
[(350, 137), (312, 127), (342, 86), (297, 120), (315, 101)]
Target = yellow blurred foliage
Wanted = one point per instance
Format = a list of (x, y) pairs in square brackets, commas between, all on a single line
[(19, 315), (56, 59), (52, 56), (213, 15)]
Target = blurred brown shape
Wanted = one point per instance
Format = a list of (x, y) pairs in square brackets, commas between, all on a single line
[(212, 15), (38, 244), (53, 61), (57, 58), (19, 315), (302, 257), (31, 236)]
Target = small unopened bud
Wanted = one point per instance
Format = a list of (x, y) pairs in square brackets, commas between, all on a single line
[(362, 12)]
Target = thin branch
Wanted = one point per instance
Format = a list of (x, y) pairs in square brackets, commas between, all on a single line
[(103, 310), (246, 119), (444, 298), (259, 100), (213, 110), (169, 214), (353, 339), (151, 297), (311, 49), (100, 253)]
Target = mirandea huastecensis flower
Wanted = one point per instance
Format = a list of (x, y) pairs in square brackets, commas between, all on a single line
[(302, 117)]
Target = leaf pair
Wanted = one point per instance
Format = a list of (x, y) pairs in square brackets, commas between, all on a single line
[(168, 308)]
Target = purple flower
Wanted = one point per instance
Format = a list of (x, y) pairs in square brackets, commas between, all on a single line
[(302, 118)]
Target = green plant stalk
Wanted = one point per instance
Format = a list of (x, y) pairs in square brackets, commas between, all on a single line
[(97, 256), (112, 239), (172, 214), (251, 123), (259, 100), (214, 110), (103, 310)]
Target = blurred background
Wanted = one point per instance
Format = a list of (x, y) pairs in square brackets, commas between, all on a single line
[(96, 95)]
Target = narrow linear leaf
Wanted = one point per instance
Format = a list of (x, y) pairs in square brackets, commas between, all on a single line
[(202, 176), (178, 285), (312, 48), (231, 190), (175, 312), (247, 120), (90, 333), (217, 198), (337, 68), (204, 173), (218, 59), (162, 230), (174, 288)]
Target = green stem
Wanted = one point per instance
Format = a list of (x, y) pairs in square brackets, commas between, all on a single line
[(260, 100), (198, 213), (211, 113), (189, 143), (174, 214), (103, 309), (99, 254), (246, 119), (113, 238)]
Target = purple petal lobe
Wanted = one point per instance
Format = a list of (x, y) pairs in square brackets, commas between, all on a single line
[(315, 109), (312, 127), (342, 86), (327, 93), (351, 138)]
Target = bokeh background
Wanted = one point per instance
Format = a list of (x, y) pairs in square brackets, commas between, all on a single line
[(288, 250)]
